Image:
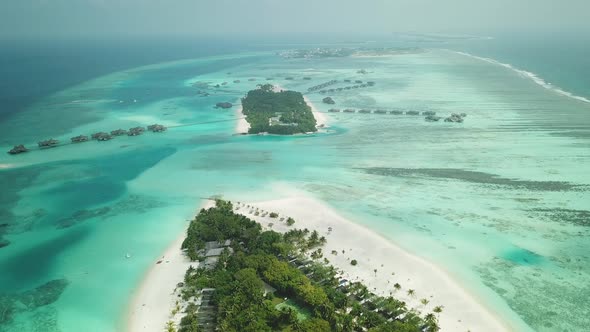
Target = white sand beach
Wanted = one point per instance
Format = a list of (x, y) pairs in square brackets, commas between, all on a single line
[(461, 311), (156, 297), (320, 118), (242, 126)]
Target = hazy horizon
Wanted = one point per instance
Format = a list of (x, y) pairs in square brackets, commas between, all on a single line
[(259, 19)]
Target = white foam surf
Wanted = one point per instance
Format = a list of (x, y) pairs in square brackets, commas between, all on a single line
[(527, 74)]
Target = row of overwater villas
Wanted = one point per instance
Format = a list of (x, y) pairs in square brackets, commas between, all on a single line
[(99, 136)]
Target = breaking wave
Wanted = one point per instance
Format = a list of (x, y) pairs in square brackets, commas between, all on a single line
[(527, 74)]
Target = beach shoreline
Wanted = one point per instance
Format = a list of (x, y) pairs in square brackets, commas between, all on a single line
[(320, 118), (381, 264), (154, 299), (242, 126), (462, 311)]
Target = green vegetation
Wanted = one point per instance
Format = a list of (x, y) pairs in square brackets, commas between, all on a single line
[(290, 221), (282, 113), (301, 313), (273, 215), (306, 295), (170, 326), (353, 262)]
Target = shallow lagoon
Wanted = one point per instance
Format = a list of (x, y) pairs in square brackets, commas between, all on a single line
[(487, 200)]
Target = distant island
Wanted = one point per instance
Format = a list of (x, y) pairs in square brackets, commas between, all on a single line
[(277, 112), (346, 52)]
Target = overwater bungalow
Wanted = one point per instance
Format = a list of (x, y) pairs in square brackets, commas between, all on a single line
[(156, 128), (251, 79), (396, 112), (334, 110), (101, 136), (289, 78), (454, 118), (119, 132), (135, 131), (370, 83), (380, 112), (321, 86), (79, 139), (48, 143), (429, 113), (365, 111), (236, 81), (18, 149), (432, 118), (358, 81), (347, 81), (412, 113), (349, 110), (307, 78)]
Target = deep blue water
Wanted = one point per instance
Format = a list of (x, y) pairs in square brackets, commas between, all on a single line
[(31, 70)]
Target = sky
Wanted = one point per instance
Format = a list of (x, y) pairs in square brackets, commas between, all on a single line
[(48, 19)]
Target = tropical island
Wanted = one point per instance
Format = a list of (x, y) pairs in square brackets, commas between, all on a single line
[(283, 112), (346, 52), (249, 279)]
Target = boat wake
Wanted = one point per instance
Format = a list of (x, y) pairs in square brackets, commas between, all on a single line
[(527, 74)]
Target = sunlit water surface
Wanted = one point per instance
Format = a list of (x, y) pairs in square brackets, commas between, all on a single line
[(500, 201)]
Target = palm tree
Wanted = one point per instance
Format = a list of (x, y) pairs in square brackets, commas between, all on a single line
[(397, 286), (411, 292), (375, 270), (170, 326), (432, 322), (430, 317), (424, 301), (438, 309)]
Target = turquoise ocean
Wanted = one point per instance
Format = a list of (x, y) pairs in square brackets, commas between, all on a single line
[(500, 201)]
